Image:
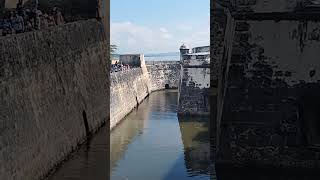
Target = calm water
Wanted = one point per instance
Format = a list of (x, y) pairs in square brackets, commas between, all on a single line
[(151, 143), (157, 57), (162, 58)]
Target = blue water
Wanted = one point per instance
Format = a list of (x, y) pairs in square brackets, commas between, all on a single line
[(157, 57), (162, 58)]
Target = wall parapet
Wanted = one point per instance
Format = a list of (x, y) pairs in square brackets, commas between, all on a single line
[(162, 62)]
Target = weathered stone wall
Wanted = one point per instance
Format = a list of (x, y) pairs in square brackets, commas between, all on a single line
[(128, 89), (269, 6), (201, 49), (268, 114), (51, 81), (163, 73), (194, 83), (193, 91), (134, 60)]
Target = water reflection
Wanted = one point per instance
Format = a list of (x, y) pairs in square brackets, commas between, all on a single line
[(126, 131), (151, 143), (90, 162), (195, 137)]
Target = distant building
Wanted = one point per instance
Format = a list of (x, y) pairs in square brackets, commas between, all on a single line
[(195, 81), (197, 54)]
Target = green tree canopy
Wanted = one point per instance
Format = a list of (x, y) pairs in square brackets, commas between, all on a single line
[(113, 48)]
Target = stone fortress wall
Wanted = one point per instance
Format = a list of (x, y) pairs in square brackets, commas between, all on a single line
[(129, 88), (194, 81), (191, 77), (164, 74), (269, 83), (54, 92)]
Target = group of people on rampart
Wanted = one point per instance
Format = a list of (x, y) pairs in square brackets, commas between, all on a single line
[(24, 19), (116, 67)]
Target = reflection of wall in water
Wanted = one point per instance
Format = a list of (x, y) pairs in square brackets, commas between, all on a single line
[(195, 138), (161, 99), (125, 132)]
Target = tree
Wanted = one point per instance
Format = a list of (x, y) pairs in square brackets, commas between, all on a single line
[(113, 48)]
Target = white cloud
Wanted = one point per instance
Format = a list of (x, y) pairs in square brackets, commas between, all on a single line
[(164, 30), (184, 27), (133, 38), (200, 38), (200, 35)]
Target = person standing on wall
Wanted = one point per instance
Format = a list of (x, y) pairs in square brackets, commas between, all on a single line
[(58, 16), (19, 8), (17, 23), (36, 15)]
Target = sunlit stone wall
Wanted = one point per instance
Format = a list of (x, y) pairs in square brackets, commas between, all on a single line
[(164, 73)]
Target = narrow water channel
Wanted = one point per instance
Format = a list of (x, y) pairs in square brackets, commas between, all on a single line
[(153, 143), (150, 143)]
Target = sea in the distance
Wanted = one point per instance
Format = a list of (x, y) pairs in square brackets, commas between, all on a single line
[(171, 56)]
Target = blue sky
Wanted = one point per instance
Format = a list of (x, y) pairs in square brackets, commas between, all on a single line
[(155, 26)]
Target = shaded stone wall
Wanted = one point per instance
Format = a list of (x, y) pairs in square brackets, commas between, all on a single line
[(53, 83), (163, 73), (104, 14), (221, 26), (268, 112)]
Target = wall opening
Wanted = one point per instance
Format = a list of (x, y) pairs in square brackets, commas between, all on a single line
[(137, 101), (85, 121), (166, 86)]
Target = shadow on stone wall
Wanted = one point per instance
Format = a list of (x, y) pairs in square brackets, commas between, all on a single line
[(223, 173)]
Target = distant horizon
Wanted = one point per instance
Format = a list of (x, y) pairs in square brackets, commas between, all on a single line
[(157, 53), (151, 54), (172, 56)]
